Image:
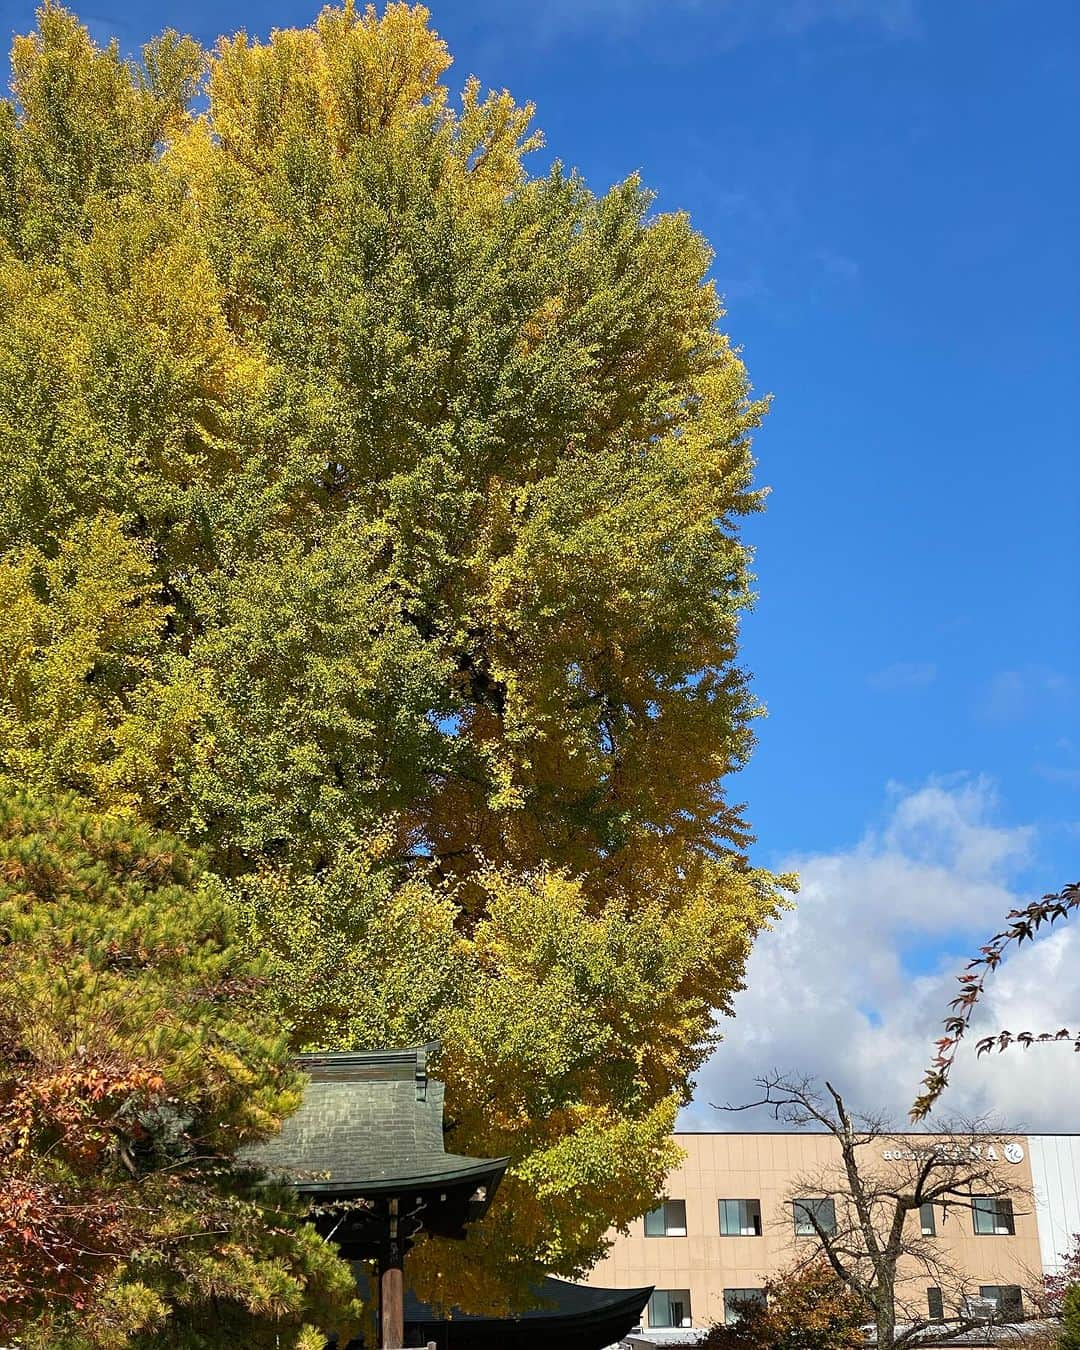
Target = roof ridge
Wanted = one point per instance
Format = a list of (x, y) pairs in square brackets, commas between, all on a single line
[(414, 1053)]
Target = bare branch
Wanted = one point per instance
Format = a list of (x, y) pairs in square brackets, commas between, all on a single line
[(1022, 926), (878, 1183)]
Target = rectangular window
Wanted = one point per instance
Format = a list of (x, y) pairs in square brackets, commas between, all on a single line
[(814, 1217), (740, 1218), (737, 1301), (993, 1214), (926, 1221), (667, 1220), (935, 1305), (670, 1308), (1008, 1299)]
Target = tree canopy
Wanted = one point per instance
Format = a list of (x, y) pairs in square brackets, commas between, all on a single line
[(369, 519), (808, 1307), (133, 1061), (872, 1236)]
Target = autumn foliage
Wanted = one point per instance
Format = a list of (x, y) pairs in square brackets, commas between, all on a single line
[(133, 1061), (370, 517), (806, 1308), (1063, 1278), (1022, 925)]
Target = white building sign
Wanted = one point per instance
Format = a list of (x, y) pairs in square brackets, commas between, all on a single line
[(1012, 1152)]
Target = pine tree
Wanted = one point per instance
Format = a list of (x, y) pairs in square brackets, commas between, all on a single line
[(1070, 1319), (135, 1056)]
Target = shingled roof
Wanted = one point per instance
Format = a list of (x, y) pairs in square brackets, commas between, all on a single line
[(370, 1123)]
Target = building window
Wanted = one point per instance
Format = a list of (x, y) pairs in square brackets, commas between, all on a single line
[(670, 1308), (667, 1220), (926, 1220), (740, 1218), (1008, 1299), (738, 1301), (814, 1216), (993, 1214), (935, 1304)]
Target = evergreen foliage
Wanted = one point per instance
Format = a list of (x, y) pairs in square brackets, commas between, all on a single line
[(1070, 1319), (133, 1061), (369, 519)]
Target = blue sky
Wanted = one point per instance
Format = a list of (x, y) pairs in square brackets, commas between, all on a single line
[(890, 188)]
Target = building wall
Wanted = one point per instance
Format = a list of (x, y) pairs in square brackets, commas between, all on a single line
[(1055, 1170), (768, 1167)]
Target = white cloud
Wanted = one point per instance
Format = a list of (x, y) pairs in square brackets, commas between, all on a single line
[(737, 21), (897, 17), (904, 675), (839, 267), (854, 984), (1015, 694), (1037, 1088), (948, 823)]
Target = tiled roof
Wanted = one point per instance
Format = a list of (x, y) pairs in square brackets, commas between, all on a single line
[(370, 1122)]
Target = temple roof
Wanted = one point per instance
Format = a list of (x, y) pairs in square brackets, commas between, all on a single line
[(370, 1123), (570, 1316)]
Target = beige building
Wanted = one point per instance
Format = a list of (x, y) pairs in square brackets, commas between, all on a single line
[(729, 1222)]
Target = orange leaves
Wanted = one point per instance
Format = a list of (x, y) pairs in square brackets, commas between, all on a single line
[(75, 1111), (802, 1307), (132, 1061)]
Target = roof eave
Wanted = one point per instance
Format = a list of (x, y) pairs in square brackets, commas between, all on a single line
[(489, 1170)]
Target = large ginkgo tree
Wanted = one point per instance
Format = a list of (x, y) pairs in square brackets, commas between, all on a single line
[(370, 520)]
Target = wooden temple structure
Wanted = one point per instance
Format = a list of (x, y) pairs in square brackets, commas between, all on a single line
[(564, 1316), (365, 1149)]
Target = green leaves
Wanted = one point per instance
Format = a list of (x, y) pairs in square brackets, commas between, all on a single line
[(342, 367), (369, 519), (136, 1053)]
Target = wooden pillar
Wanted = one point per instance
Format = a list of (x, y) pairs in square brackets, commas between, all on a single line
[(392, 1305), (392, 1288)]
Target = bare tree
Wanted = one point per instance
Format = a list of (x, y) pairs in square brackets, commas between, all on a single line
[(865, 1210)]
